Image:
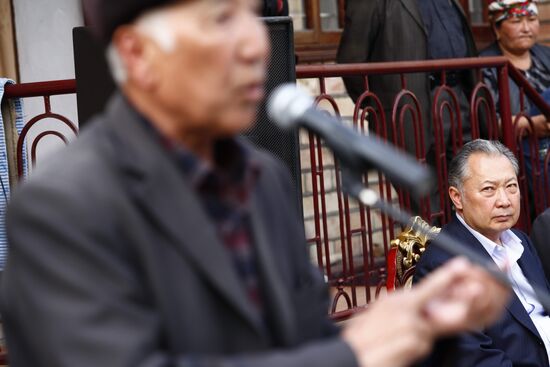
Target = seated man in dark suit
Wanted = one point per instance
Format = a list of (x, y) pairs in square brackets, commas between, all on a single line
[(159, 238), (483, 187)]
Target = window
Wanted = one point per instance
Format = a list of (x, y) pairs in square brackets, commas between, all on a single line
[(317, 27)]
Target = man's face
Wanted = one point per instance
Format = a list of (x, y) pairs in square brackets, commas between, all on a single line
[(210, 80), (490, 198)]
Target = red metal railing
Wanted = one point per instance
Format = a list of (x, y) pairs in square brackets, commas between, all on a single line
[(356, 230), (540, 181), (350, 242), (45, 90)]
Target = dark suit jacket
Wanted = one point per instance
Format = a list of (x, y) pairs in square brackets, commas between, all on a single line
[(390, 30), (513, 340), (113, 262), (540, 234)]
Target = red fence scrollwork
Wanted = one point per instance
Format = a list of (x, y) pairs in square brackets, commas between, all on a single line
[(348, 241)]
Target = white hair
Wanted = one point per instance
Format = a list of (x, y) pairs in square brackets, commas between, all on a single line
[(153, 24)]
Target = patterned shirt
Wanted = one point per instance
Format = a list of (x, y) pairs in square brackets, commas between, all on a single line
[(536, 75), (224, 190)]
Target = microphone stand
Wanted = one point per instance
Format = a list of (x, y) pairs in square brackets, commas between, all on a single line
[(352, 184)]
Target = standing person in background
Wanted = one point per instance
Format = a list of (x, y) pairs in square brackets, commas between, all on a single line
[(515, 24), (160, 238), (405, 30)]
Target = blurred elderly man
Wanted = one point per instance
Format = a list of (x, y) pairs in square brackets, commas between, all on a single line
[(516, 26), (483, 187), (159, 238)]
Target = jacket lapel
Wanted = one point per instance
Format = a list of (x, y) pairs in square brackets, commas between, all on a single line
[(461, 11), (529, 264), (159, 189), (272, 285), (515, 307), (412, 7)]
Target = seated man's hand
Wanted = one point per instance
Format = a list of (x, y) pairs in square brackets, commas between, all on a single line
[(400, 329)]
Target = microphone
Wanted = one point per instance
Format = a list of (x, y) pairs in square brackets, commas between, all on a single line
[(289, 107)]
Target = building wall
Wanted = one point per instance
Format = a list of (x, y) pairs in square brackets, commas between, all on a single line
[(44, 45), (544, 16)]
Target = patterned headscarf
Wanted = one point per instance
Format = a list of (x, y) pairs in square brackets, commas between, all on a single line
[(504, 9)]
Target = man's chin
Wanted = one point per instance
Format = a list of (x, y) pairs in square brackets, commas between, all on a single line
[(503, 226)]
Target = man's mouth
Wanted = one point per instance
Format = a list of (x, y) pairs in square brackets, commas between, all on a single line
[(502, 217)]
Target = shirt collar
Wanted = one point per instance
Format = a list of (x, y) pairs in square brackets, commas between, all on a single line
[(233, 165), (233, 162), (507, 254)]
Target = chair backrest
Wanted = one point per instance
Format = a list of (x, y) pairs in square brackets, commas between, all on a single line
[(405, 252)]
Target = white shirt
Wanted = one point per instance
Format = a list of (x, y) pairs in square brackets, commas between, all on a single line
[(506, 257)]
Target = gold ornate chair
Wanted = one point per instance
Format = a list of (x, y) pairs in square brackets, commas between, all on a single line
[(405, 252)]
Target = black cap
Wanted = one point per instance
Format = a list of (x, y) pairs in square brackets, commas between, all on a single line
[(104, 16)]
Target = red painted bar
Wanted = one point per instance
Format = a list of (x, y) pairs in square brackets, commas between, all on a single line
[(397, 67), (505, 112), (40, 89)]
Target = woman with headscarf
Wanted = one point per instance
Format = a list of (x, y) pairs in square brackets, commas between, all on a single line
[(515, 24)]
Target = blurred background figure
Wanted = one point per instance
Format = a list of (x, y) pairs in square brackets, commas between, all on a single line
[(272, 8), (515, 24)]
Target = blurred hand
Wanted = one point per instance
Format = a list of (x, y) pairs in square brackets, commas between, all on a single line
[(390, 333), (471, 301), (399, 329)]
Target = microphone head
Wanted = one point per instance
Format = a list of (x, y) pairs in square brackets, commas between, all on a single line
[(286, 104)]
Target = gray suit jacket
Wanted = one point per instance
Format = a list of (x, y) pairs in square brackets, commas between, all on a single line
[(113, 262), (389, 30)]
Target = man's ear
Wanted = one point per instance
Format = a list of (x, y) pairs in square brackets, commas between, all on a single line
[(456, 197), (136, 56)]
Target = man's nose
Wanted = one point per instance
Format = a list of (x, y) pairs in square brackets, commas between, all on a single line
[(503, 199), (254, 44)]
